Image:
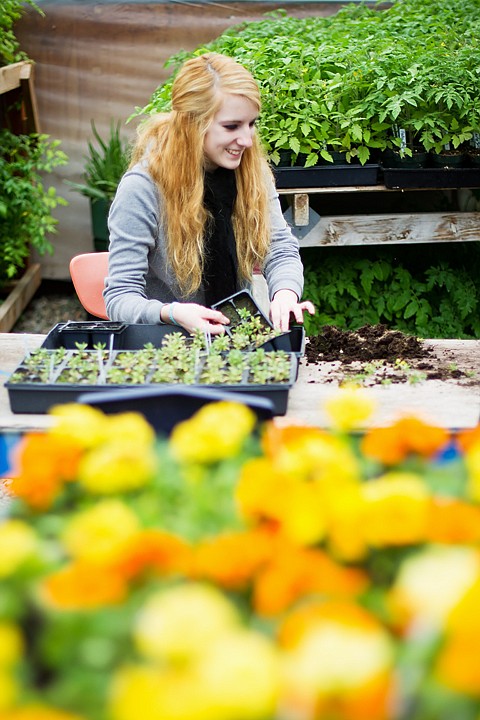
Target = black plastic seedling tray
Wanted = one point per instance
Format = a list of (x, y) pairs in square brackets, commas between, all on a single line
[(326, 176), (431, 177), (32, 394), (164, 408)]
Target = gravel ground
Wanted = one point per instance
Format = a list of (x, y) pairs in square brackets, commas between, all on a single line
[(55, 301)]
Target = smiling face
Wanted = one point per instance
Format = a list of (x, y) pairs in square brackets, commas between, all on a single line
[(230, 132)]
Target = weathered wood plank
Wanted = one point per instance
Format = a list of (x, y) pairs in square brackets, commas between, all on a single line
[(10, 75), (387, 229), (18, 299)]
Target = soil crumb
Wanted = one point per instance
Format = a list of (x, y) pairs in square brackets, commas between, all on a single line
[(373, 354)]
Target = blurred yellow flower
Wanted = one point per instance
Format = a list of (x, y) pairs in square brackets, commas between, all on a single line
[(98, 533), (84, 424), (472, 462), (431, 582), (338, 651), (395, 510), (11, 644), (18, 544), (117, 466), (9, 691), (39, 712), (240, 676), (349, 408), (156, 693), (177, 624), (216, 432), (129, 426)]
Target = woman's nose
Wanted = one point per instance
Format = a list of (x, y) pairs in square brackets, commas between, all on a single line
[(245, 139)]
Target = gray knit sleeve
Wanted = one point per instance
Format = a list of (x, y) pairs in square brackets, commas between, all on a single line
[(138, 280), (283, 268)]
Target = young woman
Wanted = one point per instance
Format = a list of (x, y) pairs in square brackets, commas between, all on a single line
[(197, 210)]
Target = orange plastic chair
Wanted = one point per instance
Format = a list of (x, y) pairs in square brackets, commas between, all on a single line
[(88, 272)]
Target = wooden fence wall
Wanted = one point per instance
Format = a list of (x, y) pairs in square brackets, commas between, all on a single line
[(98, 62)]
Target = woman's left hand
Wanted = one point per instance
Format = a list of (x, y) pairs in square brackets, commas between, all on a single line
[(284, 304)]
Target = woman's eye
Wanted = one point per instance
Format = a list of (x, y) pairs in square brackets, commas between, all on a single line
[(230, 127)]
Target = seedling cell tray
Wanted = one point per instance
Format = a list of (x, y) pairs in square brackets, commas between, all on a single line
[(326, 176), (37, 388)]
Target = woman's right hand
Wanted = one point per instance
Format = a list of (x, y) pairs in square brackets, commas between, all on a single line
[(192, 316)]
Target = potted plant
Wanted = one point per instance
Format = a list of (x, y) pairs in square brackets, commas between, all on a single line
[(105, 164), (26, 204)]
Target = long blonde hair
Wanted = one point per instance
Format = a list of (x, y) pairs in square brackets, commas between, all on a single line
[(173, 144)]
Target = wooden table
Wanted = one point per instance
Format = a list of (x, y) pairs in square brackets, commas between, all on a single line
[(444, 403)]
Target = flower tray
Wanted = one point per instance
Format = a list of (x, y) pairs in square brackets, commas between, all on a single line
[(441, 177), (326, 176), (165, 407), (49, 377)]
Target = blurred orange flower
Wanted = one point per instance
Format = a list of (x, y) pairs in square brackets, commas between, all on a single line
[(232, 559), (407, 436), (295, 572), (83, 586)]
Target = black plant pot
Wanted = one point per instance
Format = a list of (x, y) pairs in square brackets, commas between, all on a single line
[(99, 215), (393, 159), (450, 158), (473, 157)]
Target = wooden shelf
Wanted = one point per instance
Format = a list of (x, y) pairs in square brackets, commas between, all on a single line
[(313, 230), (19, 296), (18, 103), (18, 113)]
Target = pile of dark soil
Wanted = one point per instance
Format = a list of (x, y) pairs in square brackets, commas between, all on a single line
[(373, 354)]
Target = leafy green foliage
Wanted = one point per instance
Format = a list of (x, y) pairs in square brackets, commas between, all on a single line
[(26, 204), (104, 165), (10, 12), (351, 287), (353, 80)]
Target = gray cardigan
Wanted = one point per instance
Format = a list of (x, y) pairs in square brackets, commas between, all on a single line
[(140, 279)]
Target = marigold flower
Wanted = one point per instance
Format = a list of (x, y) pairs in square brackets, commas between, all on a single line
[(349, 408), (11, 644), (82, 424), (338, 656), (451, 520), (83, 586), (156, 693), (310, 454), (295, 572), (430, 583), (118, 466), (409, 435), (296, 507), (216, 432), (154, 551), (168, 626), (9, 692), (99, 533), (18, 544), (240, 676), (472, 463), (232, 559), (458, 665), (123, 427), (42, 464), (39, 712), (395, 510)]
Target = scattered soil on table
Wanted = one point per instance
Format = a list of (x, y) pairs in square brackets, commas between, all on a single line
[(373, 354)]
